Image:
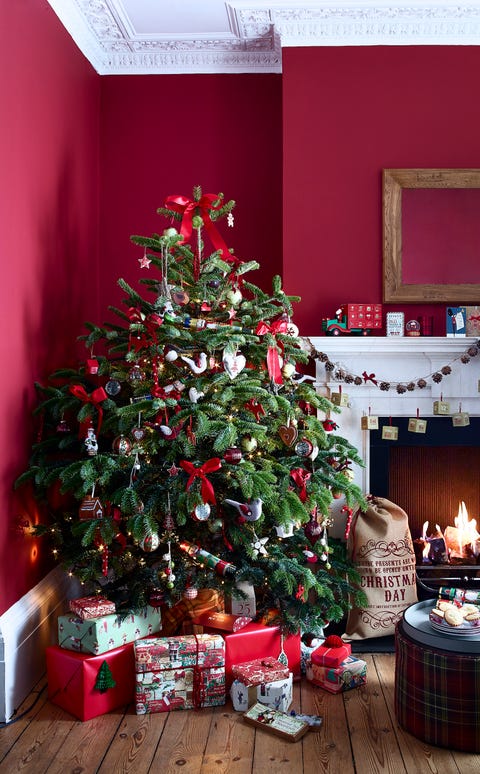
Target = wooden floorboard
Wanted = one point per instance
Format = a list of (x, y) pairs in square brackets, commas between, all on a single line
[(359, 735)]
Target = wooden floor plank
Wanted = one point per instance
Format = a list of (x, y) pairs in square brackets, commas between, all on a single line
[(372, 737), (31, 707), (183, 742), (273, 754), (40, 742), (417, 755), (326, 751), (86, 744), (230, 744), (134, 744)]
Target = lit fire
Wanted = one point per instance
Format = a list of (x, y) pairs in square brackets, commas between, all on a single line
[(462, 540)]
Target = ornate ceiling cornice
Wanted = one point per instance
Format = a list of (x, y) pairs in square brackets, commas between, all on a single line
[(258, 32)]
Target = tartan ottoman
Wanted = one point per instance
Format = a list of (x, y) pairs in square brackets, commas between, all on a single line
[(437, 693)]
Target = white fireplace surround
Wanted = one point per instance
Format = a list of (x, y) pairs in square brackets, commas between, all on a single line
[(395, 360)]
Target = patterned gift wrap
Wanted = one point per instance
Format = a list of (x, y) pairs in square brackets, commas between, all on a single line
[(437, 694), (260, 670), (183, 672), (350, 674), (91, 607), (277, 694), (102, 634), (331, 657)]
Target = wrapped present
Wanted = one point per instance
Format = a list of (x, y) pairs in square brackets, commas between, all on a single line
[(350, 674), (289, 727), (207, 600), (100, 635), (260, 670), (91, 607), (73, 677), (332, 652), (256, 640), (183, 672), (226, 622), (277, 694)]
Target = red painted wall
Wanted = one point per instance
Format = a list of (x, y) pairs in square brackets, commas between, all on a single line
[(347, 114), (48, 242), (162, 135)]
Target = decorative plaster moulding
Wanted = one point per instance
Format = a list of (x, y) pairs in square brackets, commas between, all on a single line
[(258, 30)]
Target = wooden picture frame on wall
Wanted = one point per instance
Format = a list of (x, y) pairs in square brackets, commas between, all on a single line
[(431, 236)]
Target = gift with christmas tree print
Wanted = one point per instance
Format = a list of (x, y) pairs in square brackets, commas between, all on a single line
[(186, 454)]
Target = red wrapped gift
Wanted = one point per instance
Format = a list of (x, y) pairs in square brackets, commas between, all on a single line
[(259, 641), (91, 607), (72, 677), (226, 622), (260, 671), (332, 652), (350, 674)]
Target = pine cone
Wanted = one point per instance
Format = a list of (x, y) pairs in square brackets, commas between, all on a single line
[(472, 351), (322, 357), (358, 381), (465, 359), (385, 386), (437, 377), (446, 370), (421, 383), (411, 386), (348, 378), (329, 366), (401, 389)]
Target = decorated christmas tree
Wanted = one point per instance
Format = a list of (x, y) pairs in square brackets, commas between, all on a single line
[(189, 451)]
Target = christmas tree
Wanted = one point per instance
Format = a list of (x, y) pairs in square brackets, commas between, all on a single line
[(188, 449)]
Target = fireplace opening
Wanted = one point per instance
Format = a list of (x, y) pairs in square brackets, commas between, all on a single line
[(430, 475)]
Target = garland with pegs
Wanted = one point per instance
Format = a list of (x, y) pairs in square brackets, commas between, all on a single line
[(341, 374)]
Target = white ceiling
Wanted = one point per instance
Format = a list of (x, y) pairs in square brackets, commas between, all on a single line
[(214, 36)]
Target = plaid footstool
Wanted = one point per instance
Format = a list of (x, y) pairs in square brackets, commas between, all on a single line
[(437, 694)]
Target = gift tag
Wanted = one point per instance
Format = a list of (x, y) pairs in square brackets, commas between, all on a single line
[(441, 407), (369, 423), (462, 419), (340, 398)]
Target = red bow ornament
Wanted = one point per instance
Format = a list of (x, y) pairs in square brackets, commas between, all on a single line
[(95, 398), (301, 476), (210, 466), (187, 208), (273, 361)]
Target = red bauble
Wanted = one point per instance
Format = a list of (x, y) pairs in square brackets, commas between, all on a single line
[(233, 455), (313, 529)]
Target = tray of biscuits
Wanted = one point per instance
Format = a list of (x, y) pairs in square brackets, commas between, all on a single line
[(451, 618)]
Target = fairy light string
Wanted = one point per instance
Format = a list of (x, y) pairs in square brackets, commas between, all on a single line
[(342, 374)]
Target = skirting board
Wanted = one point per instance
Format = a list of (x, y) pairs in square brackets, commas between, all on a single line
[(26, 629)]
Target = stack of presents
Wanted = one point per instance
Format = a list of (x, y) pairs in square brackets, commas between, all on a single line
[(189, 656)]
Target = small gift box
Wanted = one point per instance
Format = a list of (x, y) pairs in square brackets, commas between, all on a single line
[(260, 670), (441, 407), (416, 425), (340, 399), (91, 607), (462, 419), (277, 694), (332, 652), (289, 727), (99, 635), (183, 672), (389, 433), (73, 677), (350, 674), (226, 622), (369, 422)]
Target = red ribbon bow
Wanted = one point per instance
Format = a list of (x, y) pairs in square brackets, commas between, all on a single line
[(188, 208), (273, 362), (301, 476), (369, 377), (210, 466), (96, 398)]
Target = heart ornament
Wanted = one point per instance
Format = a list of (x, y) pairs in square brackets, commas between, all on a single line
[(288, 434), (233, 364)]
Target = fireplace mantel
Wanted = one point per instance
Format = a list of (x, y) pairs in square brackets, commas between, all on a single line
[(395, 360)]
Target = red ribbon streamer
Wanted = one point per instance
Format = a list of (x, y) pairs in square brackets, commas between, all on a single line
[(210, 466), (255, 407), (301, 476), (273, 362), (96, 398), (188, 208)]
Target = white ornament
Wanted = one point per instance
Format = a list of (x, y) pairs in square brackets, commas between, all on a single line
[(284, 532), (91, 444), (230, 220), (171, 355), (250, 511), (197, 367), (233, 364), (259, 547), (195, 395)]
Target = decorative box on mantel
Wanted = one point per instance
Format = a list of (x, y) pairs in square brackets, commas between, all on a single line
[(399, 360)]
